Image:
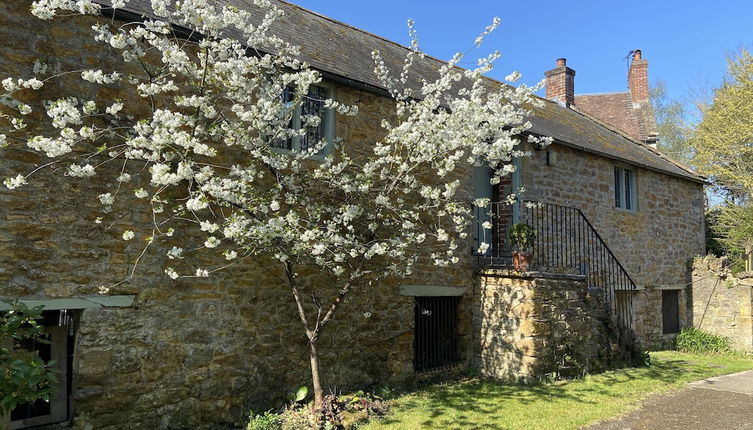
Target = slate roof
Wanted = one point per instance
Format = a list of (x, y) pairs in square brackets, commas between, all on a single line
[(343, 51), (619, 110)]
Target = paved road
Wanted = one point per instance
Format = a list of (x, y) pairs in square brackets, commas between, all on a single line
[(722, 403)]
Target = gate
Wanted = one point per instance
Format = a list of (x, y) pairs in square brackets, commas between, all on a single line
[(435, 341)]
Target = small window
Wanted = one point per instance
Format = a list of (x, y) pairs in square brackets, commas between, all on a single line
[(311, 105), (59, 326), (625, 196), (670, 311)]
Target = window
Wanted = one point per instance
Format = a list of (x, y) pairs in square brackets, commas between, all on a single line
[(59, 325), (625, 196), (311, 105), (670, 311), (482, 189)]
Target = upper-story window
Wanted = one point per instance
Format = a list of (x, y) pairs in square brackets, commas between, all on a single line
[(311, 105), (625, 195)]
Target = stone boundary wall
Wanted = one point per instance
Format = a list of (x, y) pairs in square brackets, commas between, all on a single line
[(722, 302), (534, 324)]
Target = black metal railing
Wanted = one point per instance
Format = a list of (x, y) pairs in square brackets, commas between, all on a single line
[(566, 242)]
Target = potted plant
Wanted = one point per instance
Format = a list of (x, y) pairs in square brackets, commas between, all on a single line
[(522, 238)]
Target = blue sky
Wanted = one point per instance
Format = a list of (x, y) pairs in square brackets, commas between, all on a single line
[(685, 42)]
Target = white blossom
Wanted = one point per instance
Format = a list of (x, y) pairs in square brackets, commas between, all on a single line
[(107, 199), (212, 242), (13, 183), (175, 252)]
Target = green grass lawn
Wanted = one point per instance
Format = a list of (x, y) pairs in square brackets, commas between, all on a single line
[(563, 405)]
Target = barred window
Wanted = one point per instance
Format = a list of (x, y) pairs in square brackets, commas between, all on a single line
[(311, 105)]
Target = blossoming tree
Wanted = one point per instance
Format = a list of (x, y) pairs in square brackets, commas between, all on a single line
[(354, 212)]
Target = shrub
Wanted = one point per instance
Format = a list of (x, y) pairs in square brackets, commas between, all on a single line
[(266, 421), (698, 341), (24, 376)]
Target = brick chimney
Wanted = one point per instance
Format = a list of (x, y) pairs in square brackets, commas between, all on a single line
[(638, 78), (560, 83)]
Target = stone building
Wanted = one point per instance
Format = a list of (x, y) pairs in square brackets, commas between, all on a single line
[(617, 223)]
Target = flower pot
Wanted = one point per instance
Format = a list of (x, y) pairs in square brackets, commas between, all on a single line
[(521, 260)]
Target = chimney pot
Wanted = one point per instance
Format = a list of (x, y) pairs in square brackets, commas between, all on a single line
[(637, 54), (561, 62)]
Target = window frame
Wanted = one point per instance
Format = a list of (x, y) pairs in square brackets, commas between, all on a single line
[(328, 124), (625, 197)]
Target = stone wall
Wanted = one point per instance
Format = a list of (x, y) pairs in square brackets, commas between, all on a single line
[(654, 243), (534, 324), (723, 303), (189, 353)]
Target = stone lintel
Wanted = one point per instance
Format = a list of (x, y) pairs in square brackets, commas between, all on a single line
[(430, 291), (87, 302)]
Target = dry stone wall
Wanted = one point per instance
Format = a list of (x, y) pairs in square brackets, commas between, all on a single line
[(723, 303)]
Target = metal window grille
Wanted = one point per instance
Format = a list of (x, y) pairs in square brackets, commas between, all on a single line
[(312, 104), (436, 343)]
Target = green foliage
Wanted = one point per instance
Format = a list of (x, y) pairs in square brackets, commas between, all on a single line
[(299, 395), (522, 236), (731, 228), (715, 233), (723, 149), (266, 421), (24, 377), (698, 341), (723, 140), (672, 127)]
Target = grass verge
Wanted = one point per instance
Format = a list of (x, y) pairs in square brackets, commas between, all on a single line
[(562, 405)]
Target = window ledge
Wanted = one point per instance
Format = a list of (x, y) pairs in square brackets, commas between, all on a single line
[(87, 302), (431, 291)]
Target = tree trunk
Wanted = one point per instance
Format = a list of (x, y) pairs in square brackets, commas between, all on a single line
[(315, 377)]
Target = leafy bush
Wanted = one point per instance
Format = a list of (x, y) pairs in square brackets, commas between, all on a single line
[(698, 341), (24, 377), (266, 421)]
